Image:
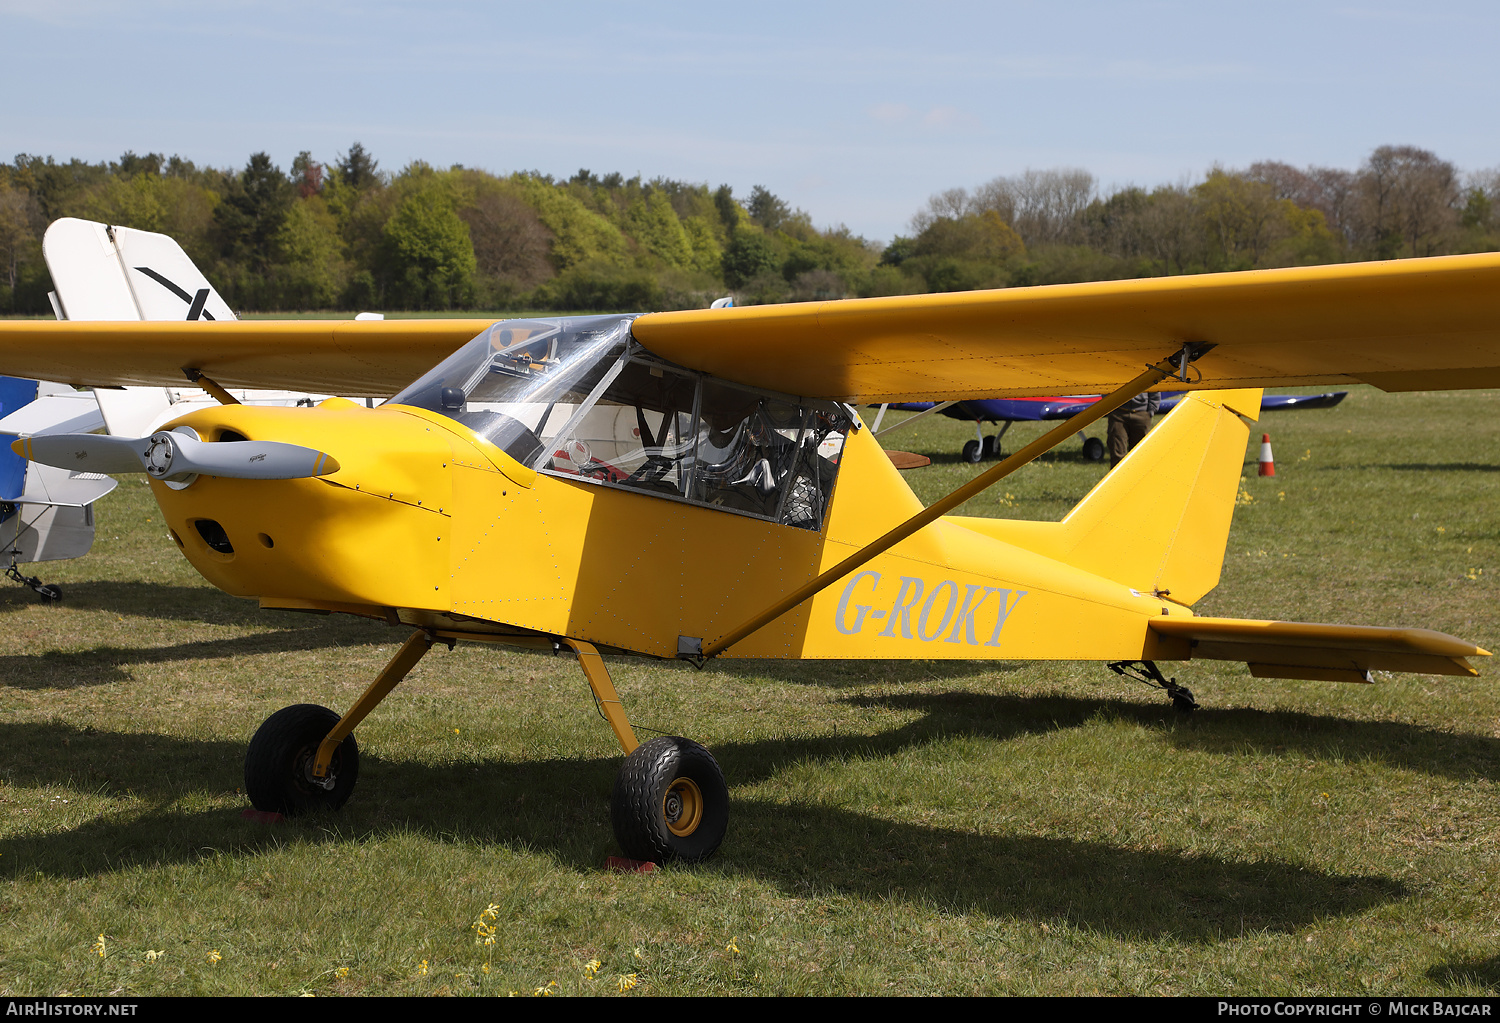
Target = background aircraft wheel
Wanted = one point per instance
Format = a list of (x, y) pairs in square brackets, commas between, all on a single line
[(670, 802), (1093, 449), (972, 452), (278, 765)]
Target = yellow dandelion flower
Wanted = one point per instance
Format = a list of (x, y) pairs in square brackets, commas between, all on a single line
[(152, 955), (98, 947), (639, 954), (626, 981), (213, 955), (341, 973), (591, 969), (422, 968), (485, 968), (732, 947)]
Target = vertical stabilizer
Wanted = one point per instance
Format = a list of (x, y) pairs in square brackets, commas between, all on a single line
[(118, 273), (1159, 521)]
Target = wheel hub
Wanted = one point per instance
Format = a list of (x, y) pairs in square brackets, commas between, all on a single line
[(682, 807), (304, 770)]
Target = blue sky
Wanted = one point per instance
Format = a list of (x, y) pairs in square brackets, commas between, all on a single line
[(854, 112)]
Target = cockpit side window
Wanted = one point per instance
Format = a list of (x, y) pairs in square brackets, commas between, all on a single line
[(638, 434), (675, 433)]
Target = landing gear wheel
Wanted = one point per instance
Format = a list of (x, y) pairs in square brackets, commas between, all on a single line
[(972, 452), (278, 764), (991, 447), (1093, 449), (670, 802), (1182, 699)]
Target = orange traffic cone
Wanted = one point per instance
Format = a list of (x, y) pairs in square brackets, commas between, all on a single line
[(1267, 462)]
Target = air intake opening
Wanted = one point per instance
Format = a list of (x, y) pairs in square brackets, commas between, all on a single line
[(231, 435), (213, 534)]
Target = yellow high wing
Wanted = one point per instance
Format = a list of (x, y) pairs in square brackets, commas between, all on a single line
[(1414, 324), (1399, 325), (357, 358)]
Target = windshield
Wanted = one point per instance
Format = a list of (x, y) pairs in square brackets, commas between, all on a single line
[(518, 383), (577, 397)]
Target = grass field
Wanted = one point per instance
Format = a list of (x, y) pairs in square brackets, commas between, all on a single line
[(910, 828)]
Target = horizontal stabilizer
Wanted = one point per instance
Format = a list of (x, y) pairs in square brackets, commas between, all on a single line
[(1308, 651), (74, 412), (47, 484)]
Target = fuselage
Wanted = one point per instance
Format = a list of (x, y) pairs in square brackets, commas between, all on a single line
[(430, 524)]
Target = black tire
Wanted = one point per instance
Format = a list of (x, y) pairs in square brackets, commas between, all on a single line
[(991, 447), (1093, 449), (278, 764), (973, 452), (670, 802)]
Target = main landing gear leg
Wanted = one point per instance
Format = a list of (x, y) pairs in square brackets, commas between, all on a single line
[(305, 758), (670, 801), (1147, 672)]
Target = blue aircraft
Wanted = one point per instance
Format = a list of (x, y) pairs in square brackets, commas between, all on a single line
[(1007, 411)]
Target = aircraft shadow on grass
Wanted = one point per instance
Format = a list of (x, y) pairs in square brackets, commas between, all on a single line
[(554, 806), (166, 602), (1228, 731), (1411, 467), (1468, 973), (842, 674), (106, 664)]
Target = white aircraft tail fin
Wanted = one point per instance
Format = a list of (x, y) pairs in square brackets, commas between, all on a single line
[(119, 273)]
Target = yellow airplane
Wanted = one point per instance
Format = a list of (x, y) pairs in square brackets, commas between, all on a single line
[(697, 484)]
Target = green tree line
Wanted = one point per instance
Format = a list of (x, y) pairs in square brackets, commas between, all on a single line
[(1055, 226), (347, 235)]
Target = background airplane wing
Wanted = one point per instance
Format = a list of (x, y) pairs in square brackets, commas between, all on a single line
[(1413, 324)]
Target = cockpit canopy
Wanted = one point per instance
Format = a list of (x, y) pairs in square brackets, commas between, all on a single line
[(578, 397)]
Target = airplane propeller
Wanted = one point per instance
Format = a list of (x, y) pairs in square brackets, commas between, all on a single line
[(173, 456)]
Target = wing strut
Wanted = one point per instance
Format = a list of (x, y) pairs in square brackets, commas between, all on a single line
[(876, 431), (202, 379), (1174, 365)]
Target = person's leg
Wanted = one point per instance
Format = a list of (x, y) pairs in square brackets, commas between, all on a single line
[(1119, 438)]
